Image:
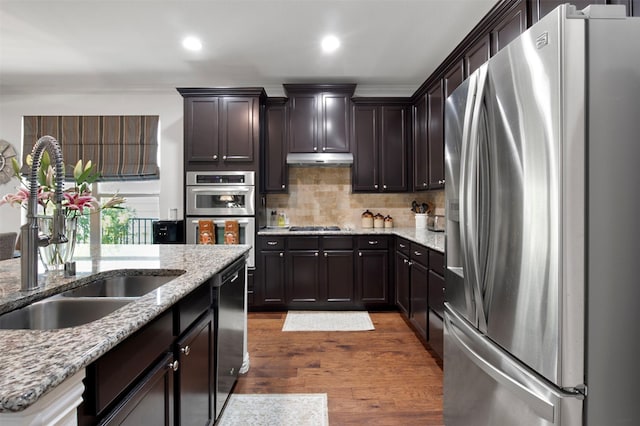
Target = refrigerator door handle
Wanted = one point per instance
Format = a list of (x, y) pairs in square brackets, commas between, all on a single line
[(542, 407), (472, 191)]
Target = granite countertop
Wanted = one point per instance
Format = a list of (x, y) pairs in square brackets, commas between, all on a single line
[(430, 239), (32, 362)]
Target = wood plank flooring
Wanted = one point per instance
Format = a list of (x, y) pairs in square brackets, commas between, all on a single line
[(381, 377)]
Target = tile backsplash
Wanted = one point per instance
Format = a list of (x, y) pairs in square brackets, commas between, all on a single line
[(322, 196)]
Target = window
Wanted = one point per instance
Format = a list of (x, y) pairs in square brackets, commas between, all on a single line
[(130, 225)]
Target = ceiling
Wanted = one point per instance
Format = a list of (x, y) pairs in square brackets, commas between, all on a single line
[(389, 47)]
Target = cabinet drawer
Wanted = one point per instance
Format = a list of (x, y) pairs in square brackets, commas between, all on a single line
[(403, 246), (304, 243), (436, 293), (117, 370), (436, 261), (420, 254), (337, 243), (371, 242), (271, 243), (191, 307)]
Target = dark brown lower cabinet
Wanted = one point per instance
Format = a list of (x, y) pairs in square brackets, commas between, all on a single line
[(303, 278), (151, 401), (194, 380), (403, 271), (337, 266), (372, 277), (419, 297)]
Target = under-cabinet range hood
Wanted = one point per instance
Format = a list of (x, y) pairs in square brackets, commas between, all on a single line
[(320, 159)]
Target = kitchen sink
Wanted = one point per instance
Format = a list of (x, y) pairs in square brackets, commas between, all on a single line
[(57, 312), (121, 286), (85, 304)]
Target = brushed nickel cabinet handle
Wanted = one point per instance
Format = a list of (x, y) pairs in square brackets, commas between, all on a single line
[(186, 350), (174, 365)]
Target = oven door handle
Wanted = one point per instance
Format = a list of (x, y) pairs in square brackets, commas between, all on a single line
[(224, 191), (222, 221)]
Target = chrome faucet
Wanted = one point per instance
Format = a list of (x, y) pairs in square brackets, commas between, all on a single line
[(30, 238)]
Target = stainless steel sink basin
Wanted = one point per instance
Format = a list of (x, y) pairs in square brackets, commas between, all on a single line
[(56, 312), (120, 286)]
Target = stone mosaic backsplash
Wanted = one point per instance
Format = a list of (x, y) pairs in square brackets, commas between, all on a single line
[(322, 196)]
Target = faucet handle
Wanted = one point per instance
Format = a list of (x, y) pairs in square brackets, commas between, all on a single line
[(58, 230)]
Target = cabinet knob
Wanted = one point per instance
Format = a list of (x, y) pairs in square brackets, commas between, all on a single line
[(186, 350), (375, 186), (315, 254), (272, 243), (232, 371), (315, 148), (373, 243), (215, 157), (281, 254), (405, 261), (284, 186), (224, 157), (360, 253), (417, 253), (441, 182), (384, 186), (324, 148), (174, 365), (402, 245), (424, 184), (326, 254), (410, 263)]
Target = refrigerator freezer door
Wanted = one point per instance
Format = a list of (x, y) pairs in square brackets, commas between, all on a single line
[(485, 386)]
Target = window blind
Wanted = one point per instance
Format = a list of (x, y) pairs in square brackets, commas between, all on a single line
[(124, 147)]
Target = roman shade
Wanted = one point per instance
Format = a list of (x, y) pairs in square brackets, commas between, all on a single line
[(124, 147)]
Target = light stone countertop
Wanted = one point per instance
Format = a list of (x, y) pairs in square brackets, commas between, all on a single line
[(430, 239), (32, 362)]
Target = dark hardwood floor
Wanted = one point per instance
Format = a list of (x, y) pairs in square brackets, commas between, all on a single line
[(381, 377)]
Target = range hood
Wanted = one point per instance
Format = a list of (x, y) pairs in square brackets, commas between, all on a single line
[(320, 159)]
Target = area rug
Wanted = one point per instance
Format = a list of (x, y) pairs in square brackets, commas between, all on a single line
[(327, 321), (296, 409)]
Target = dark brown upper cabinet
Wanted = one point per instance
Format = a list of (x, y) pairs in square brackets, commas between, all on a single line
[(380, 143), (509, 27), (477, 55), (319, 117), (453, 77), (275, 146), (222, 128), (420, 145), (435, 135)]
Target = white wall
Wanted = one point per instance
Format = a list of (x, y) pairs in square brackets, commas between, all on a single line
[(165, 103)]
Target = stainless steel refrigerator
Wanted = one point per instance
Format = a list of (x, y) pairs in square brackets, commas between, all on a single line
[(542, 312)]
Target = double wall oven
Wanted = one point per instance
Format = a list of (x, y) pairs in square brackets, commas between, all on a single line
[(220, 197)]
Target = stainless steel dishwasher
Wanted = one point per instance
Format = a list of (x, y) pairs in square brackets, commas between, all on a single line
[(230, 295)]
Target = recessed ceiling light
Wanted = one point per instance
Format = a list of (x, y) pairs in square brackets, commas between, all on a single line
[(330, 44), (192, 43)]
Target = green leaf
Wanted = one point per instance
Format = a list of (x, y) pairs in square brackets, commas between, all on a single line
[(16, 167)]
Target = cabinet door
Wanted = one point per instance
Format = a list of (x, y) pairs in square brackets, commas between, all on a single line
[(453, 78), (393, 148), (419, 296), (402, 283), (334, 125), (303, 123), (151, 401), (373, 277), (512, 24), (420, 146), (338, 276), (303, 282), (272, 270), (201, 129), (365, 140), (275, 168), (477, 55), (435, 137), (436, 334), (436, 293), (633, 6), (194, 352), (239, 128)]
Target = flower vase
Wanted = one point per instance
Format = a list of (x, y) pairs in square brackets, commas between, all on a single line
[(54, 256)]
